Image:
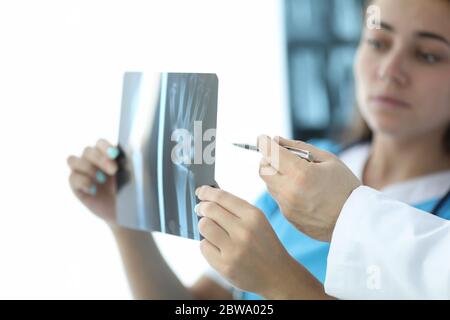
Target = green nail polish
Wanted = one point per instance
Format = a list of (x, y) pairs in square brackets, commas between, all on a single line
[(92, 190), (100, 176), (112, 152)]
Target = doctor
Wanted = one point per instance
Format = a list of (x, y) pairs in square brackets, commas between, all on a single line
[(372, 201), (382, 203)]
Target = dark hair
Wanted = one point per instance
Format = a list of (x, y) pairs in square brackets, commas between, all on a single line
[(359, 131)]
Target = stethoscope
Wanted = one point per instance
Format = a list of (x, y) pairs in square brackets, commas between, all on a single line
[(440, 204)]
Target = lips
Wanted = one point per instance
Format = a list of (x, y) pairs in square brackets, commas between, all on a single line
[(388, 101)]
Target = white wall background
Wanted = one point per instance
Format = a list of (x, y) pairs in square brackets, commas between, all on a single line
[(61, 65)]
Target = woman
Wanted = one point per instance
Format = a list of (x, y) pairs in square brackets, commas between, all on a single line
[(402, 78)]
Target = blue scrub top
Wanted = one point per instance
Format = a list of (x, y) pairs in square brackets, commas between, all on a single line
[(312, 254)]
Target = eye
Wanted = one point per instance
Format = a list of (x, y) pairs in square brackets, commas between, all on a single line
[(428, 57), (376, 44)]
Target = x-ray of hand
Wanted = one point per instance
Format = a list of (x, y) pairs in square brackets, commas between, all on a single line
[(167, 142)]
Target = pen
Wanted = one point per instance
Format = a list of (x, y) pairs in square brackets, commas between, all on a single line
[(299, 152)]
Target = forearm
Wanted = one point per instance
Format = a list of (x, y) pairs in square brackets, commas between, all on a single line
[(149, 276), (295, 282)]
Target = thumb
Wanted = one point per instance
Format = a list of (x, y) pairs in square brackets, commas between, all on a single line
[(318, 155)]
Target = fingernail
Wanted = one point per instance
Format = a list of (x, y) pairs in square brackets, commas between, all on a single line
[(92, 190), (112, 152), (261, 138), (258, 140), (197, 191), (196, 209), (100, 176)]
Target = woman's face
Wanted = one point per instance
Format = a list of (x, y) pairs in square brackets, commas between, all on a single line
[(402, 70)]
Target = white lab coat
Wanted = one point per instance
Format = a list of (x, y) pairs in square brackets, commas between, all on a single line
[(385, 249)]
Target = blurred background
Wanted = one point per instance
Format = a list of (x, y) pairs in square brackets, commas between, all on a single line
[(284, 68)]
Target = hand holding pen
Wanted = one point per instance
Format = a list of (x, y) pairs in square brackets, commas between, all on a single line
[(300, 187)]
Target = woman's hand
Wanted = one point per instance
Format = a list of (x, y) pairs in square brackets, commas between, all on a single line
[(310, 194), (240, 243), (92, 179)]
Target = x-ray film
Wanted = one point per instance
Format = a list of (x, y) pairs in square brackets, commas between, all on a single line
[(167, 149)]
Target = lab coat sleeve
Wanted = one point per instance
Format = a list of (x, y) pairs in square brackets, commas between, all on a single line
[(385, 249)]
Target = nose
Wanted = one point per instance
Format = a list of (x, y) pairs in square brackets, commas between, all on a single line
[(393, 68)]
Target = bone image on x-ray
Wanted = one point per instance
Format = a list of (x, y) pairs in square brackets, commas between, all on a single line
[(156, 180), (185, 108)]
